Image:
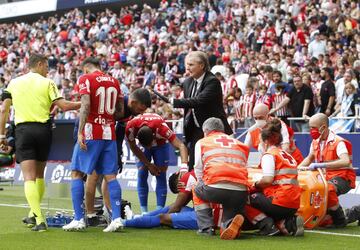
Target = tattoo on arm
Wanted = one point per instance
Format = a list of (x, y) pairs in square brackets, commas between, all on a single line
[(119, 110), (84, 111)]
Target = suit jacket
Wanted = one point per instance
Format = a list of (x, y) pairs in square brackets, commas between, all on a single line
[(207, 102)]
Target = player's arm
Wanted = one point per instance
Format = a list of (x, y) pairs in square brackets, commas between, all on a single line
[(182, 199), (84, 113), (59, 101), (66, 105), (281, 105), (342, 162), (140, 155), (308, 159), (119, 110), (268, 168), (4, 114), (183, 154), (285, 144)]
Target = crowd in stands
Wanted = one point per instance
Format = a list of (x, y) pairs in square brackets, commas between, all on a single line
[(297, 57)]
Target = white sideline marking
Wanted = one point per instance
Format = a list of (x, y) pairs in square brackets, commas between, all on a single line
[(26, 206), (331, 233)]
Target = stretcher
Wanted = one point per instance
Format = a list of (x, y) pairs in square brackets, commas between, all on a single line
[(313, 201)]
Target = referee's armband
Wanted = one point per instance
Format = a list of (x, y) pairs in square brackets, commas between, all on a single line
[(5, 95)]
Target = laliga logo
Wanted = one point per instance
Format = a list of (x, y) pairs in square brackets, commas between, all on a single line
[(58, 174)]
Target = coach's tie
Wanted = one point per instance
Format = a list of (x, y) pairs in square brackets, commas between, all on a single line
[(194, 88)]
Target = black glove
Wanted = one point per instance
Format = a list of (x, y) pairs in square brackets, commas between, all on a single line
[(162, 97)]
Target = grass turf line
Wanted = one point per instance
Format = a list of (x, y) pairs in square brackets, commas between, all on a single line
[(14, 235)]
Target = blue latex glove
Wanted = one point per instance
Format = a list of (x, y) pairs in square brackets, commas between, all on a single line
[(314, 166)]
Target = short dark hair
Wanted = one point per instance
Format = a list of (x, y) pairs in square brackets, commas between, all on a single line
[(35, 58), (173, 182), (268, 68), (278, 73), (145, 136), (142, 96), (91, 60)]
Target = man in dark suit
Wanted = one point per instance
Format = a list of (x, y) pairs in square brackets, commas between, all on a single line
[(203, 98)]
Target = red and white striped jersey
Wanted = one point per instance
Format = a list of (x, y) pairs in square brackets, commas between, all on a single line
[(266, 82), (237, 108), (288, 39), (265, 99), (231, 83), (247, 105), (104, 92), (162, 88), (276, 100)]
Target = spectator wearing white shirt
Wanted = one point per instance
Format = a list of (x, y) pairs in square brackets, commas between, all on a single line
[(317, 47), (340, 84)]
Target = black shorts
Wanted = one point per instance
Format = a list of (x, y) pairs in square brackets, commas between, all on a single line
[(32, 141)]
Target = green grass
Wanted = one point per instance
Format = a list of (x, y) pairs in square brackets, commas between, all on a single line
[(14, 235)]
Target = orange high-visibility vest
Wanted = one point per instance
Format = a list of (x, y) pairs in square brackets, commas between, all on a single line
[(295, 152), (224, 159), (285, 189), (329, 154), (255, 137)]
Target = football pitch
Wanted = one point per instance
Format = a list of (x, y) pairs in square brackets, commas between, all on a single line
[(14, 235)]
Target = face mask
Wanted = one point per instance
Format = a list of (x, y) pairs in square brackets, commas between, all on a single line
[(260, 123), (315, 133)]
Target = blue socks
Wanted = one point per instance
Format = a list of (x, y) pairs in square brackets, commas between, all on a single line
[(163, 210), (77, 195), (161, 190), (115, 198), (144, 222), (143, 189)]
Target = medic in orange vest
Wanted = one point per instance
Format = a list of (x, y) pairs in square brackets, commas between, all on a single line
[(332, 153), (277, 193), (220, 168), (253, 138)]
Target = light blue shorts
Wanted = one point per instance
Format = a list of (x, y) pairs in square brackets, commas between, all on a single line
[(101, 156)]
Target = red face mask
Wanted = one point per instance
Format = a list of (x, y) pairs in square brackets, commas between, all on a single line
[(314, 133)]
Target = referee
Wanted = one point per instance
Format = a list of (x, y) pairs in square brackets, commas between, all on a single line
[(32, 96)]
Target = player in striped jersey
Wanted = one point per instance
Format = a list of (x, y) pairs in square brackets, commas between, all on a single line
[(247, 105), (276, 99), (263, 97), (267, 80)]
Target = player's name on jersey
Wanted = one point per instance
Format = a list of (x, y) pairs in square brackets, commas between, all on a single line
[(105, 79)]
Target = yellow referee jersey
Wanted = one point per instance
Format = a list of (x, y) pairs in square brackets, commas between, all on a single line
[(32, 96)]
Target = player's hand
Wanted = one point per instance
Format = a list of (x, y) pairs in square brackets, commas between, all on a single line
[(181, 184), (161, 96), (314, 166), (81, 141), (272, 111), (3, 144), (153, 169), (306, 117)]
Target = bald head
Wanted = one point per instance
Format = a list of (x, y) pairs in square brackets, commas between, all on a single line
[(261, 111), (319, 120)]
